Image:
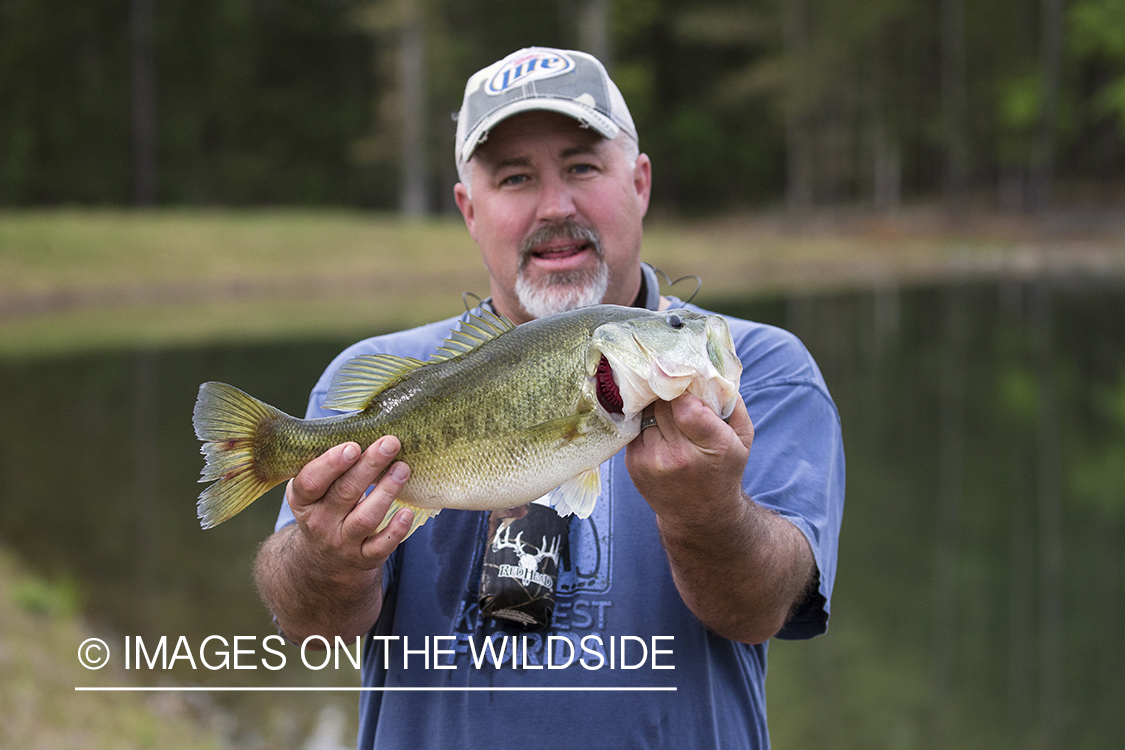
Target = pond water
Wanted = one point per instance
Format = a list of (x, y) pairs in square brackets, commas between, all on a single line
[(980, 599)]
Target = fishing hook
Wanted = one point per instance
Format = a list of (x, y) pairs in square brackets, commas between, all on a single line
[(670, 283), (465, 301)]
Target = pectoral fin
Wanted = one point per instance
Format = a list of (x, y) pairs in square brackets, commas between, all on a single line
[(577, 495), (559, 431)]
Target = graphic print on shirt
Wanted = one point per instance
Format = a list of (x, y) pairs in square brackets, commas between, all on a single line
[(584, 581)]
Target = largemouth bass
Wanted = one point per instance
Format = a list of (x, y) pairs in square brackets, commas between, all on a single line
[(498, 417)]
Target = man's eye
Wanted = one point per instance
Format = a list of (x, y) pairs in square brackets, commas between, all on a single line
[(514, 179), (582, 168)]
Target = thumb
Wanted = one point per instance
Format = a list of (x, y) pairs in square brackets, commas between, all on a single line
[(697, 422)]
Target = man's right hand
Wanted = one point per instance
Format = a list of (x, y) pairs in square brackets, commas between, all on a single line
[(338, 516), (323, 575)]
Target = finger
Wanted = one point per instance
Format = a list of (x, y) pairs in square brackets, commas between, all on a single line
[(650, 427), (353, 484), (366, 517), (695, 420), (314, 479), (381, 545), (740, 422)]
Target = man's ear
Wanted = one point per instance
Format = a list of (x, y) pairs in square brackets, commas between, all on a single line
[(465, 205), (642, 181)]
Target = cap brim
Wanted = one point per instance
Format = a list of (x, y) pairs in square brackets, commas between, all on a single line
[(601, 123)]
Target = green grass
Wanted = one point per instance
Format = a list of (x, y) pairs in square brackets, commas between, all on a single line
[(39, 708), (81, 279), (85, 279)]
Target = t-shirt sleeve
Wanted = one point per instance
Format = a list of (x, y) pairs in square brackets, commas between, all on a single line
[(796, 464)]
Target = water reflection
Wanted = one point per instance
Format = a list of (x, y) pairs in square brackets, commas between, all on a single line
[(98, 473), (980, 598)]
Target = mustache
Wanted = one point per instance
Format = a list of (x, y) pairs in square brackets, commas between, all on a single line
[(567, 230)]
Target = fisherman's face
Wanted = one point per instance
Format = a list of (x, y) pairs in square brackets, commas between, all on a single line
[(556, 210)]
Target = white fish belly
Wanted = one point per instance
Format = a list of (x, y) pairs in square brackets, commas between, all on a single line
[(508, 478)]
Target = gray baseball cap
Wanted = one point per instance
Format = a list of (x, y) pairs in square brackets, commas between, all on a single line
[(540, 78)]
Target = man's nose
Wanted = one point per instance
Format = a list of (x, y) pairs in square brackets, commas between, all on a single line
[(556, 202)]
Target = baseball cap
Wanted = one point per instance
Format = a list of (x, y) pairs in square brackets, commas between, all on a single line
[(540, 78)]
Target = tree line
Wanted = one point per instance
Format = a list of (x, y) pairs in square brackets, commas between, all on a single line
[(1019, 104)]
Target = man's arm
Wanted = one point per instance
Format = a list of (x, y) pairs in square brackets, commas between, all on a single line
[(739, 567), (323, 575)]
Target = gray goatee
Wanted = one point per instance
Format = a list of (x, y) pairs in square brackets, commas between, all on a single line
[(563, 290)]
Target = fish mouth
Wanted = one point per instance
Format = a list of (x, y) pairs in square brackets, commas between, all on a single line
[(609, 395)]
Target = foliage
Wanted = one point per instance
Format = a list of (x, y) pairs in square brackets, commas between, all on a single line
[(300, 102), (1098, 37)]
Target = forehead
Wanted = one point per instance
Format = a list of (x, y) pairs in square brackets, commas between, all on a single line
[(520, 135)]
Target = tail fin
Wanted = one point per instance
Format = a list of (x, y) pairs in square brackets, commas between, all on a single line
[(228, 421)]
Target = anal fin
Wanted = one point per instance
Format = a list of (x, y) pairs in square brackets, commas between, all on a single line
[(578, 495), (421, 515)]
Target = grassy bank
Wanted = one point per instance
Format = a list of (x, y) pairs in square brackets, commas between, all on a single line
[(87, 279), (39, 708)]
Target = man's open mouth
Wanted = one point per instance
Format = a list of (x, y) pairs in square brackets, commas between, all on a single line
[(561, 253), (559, 242)]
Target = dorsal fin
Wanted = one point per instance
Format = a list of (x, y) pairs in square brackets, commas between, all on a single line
[(360, 379), (474, 332)]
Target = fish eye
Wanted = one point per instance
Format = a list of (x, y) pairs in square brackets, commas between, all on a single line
[(675, 321)]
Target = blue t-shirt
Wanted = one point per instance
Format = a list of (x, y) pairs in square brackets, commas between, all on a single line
[(621, 637)]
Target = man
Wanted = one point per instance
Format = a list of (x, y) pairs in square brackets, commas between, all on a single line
[(699, 549)]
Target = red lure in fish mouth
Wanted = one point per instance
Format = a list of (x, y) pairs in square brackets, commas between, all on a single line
[(608, 394)]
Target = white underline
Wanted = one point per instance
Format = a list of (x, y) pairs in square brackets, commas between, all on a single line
[(194, 689)]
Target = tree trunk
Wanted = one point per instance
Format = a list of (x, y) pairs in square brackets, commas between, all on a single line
[(954, 103), (887, 185), (798, 126), (143, 79), (886, 168), (594, 30), (1050, 73), (412, 87)]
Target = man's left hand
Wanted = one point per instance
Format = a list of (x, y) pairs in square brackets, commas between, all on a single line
[(691, 458)]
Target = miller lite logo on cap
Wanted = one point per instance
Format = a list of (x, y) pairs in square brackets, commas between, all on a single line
[(532, 65), (569, 82)]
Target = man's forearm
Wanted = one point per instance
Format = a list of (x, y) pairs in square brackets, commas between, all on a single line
[(742, 574), (311, 597)]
